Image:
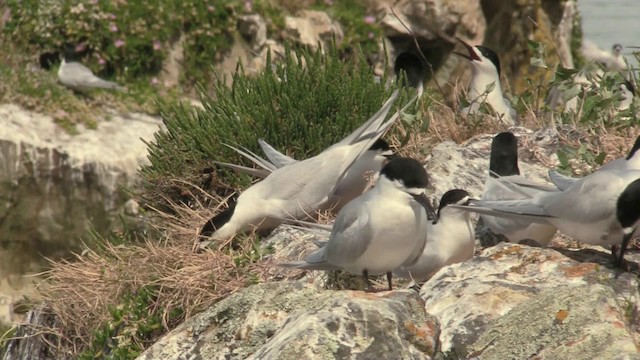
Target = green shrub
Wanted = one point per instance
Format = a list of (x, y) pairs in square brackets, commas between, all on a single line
[(300, 106), (135, 324), (129, 38)]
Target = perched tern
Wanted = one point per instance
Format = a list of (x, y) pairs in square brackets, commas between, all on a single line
[(382, 229), (78, 77), (485, 83), (601, 209), (450, 239), (503, 166)]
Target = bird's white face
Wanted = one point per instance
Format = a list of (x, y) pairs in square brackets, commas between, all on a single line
[(483, 65)]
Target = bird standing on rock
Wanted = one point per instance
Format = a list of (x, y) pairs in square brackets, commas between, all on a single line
[(450, 239), (381, 230)]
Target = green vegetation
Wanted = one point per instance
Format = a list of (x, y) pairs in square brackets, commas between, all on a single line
[(6, 333), (360, 28), (301, 105), (128, 40), (135, 323)]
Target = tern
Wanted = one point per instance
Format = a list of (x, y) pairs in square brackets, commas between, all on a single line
[(382, 229)]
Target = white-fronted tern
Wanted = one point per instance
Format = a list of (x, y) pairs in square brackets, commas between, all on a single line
[(78, 77), (485, 83), (450, 239), (382, 229), (298, 190), (503, 166)]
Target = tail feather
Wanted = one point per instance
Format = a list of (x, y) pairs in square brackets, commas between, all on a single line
[(104, 84), (306, 266)]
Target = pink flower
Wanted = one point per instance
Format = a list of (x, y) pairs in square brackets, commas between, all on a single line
[(155, 81), (156, 45), (369, 19), (248, 5), (119, 43), (113, 27), (80, 47), (111, 16), (211, 8), (371, 35), (101, 61)]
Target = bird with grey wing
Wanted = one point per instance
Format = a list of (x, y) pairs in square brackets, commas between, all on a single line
[(382, 229), (78, 77), (503, 165), (299, 189)]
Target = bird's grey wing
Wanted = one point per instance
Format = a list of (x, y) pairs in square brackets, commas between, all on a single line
[(513, 209), (351, 234), (253, 157), (507, 188), (277, 158), (77, 69), (306, 225), (522, 181), (562, 182), (365, 141), (261, 173), (587, 201)]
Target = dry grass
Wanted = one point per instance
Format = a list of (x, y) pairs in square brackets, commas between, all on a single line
[(81, 291)]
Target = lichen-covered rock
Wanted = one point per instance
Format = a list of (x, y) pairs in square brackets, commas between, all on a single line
[(312, 27), (501, 304), (466, 166), (55, 186), (288, 320), (574, 322), (253, 30)]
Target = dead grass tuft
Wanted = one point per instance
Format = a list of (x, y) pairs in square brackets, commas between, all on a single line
[(81, 291)]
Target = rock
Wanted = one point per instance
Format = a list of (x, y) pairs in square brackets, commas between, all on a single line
[(253, 30), (312, 27), (30, 342), (577, 322), (259, 62), (131, 207), (514, 302), (466, 166), (287, 320), (55, 186), (172, 65)]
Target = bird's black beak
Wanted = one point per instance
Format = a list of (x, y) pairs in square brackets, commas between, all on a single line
[(472, 53), (629, 232), (422, 200)]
